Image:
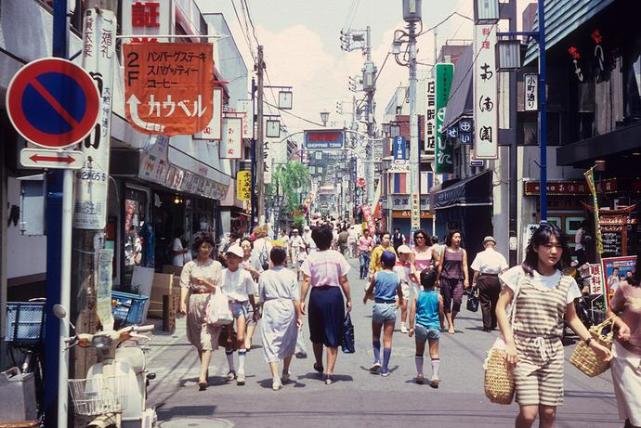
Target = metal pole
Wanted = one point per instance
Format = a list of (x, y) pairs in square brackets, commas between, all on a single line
[(260, 158), (513, 153), (65, 293), (370, 129), (254, 201), (55, 403), (543, 120), (414, 145)]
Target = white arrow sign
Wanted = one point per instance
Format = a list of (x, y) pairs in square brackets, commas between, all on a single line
[(57, 159)]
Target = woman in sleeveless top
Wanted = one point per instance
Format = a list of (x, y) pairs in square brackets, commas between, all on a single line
[(452, 277), (543, 299)]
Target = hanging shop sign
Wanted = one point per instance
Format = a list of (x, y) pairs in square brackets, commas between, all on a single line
[(214, 129), (324, 139), (399, 150), (90, 207), (443, 150), (246, 107), (430, 119), (269, 162), (465, 131), (169, 87), (244, 185), (531, 86), (148, 18), (231, 144), (485, 90), (416, 211)]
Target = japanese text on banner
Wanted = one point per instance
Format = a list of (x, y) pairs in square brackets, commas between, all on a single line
[(169, 87), (485, 90)]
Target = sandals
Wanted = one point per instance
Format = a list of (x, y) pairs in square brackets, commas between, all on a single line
[(318, 367), (202, 386)]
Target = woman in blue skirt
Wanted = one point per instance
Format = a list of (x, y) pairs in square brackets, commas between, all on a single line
[(325, 272)]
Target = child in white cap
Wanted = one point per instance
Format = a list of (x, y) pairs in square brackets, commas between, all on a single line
[(403, 268), (239, 287)]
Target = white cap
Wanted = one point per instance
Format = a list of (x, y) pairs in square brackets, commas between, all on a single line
[(236, 250), (404, 249)]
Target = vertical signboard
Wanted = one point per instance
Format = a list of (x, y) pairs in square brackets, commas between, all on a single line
[(244, 185), (269, 161), (213, 130), (231, 144), (443, 74), (531, 86), (247, 108), (399, 149), (99, 38), (146, 17), (485, 91), (430, 119)]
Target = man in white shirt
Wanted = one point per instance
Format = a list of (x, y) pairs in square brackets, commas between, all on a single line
[(487, 266), (180, 255), (296, 245)]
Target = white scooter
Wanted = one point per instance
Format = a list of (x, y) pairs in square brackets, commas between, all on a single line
[(114, 393)]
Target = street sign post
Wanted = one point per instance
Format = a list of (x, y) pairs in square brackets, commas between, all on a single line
[(53, 103), (58, 159)]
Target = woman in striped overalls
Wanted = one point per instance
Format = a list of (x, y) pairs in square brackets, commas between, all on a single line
[(544, 299)]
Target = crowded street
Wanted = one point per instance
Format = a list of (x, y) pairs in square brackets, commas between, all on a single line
[(320, 213), (357, 398)]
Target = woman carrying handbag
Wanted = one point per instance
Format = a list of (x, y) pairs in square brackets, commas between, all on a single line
[(545, 299)]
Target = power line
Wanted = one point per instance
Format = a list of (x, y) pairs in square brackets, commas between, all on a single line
[(251, 21), (427, 30), (240, 23), (292, 114)]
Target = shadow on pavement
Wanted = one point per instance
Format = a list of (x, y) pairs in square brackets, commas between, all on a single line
[(319, 378), (167, 413)]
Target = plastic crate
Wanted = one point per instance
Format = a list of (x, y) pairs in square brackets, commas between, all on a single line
[(128, 308), (25, 322)]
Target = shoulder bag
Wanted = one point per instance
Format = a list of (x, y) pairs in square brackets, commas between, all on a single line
[(217, 311)]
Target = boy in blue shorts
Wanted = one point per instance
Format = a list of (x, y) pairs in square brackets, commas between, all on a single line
[(426, 313), (385, 287)]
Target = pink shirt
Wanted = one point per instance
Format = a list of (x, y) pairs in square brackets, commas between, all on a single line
[(325, 268), (365, 244), (423, 259)]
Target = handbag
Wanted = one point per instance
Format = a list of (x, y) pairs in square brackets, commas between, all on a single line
[(498, 378), (585, 359), (217, 311), (473, 300), (348, 342)]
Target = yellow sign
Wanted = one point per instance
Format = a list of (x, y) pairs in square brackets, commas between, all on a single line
[(244, 185)]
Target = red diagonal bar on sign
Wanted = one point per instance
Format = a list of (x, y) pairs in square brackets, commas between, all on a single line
[(54, 103)]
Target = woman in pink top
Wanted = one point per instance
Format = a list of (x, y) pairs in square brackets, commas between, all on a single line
[(626, 365), (325, 271), (364, 251)]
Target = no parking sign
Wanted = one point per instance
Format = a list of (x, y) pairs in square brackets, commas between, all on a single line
[(53, 103)]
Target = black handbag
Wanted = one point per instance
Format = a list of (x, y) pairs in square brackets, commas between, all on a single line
[(348, 342), (473, 300)]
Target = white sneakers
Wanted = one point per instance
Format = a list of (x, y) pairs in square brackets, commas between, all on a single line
[(403, 328)]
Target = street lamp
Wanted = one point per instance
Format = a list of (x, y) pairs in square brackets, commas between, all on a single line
[(486, 12), (324, 117), (508, 54)]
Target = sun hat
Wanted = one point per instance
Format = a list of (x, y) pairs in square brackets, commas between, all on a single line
[(236, 250), (404, 249)]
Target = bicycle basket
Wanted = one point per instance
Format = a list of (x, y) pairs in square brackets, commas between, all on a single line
[(25, 322), (128, 308), (97, 395)]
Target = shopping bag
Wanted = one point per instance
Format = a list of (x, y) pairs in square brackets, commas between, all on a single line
[(473, 300), (218, 311), (348, 342)]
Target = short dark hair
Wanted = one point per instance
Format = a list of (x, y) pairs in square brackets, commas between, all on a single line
[(450, 235), (248, 240), (542, 236), (428, 278), (428, 239), (201, 238), (323, 236), (278, 255), (383, 233)]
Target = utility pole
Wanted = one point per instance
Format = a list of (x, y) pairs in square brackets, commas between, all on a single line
[(359, 39), (412, 15), (259, 165)]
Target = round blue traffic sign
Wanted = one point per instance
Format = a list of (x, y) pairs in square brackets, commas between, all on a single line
[(53, 103)]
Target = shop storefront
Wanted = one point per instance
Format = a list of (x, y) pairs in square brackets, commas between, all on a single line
[(465, 206)]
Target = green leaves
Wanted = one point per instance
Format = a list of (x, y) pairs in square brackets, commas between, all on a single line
[(293, 182)]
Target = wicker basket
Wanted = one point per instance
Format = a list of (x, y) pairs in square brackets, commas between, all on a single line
[(499, 380), (585, 359)]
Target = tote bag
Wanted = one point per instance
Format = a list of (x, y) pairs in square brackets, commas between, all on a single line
[(348, 343), (218, 311)]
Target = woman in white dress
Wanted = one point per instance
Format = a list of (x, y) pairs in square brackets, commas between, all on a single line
[(280, 296), (198, 280)]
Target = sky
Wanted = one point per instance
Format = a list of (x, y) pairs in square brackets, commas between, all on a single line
[(302, 47)]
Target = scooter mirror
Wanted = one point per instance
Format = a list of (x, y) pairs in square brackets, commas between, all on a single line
[(59, 311)]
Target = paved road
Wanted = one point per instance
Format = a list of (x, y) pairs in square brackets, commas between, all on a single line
[(358, 398)]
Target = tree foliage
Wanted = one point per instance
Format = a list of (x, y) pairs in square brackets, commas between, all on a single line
[(291, 180)]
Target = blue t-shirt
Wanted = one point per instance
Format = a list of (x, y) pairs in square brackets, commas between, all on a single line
[(386, 285), (427, 309)]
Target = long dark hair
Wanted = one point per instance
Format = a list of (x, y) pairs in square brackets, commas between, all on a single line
[(426, 238), (543, 236), (450, 235), (636, 275)]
